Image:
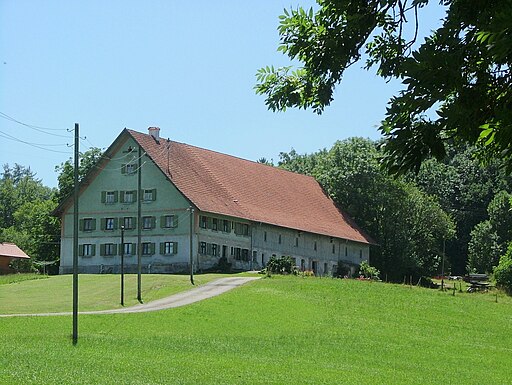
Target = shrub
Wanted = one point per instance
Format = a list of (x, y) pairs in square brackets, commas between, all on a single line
[(368, 271), (280, 265), (341, 271), (503, 272)]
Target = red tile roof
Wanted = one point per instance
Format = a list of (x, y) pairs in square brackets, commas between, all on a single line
[(10, 250), (227, 185)]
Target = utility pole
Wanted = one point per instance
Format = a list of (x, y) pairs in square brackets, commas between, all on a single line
[(139, 228), (191, 244), (122, 265), (442, 265), (75, 238)]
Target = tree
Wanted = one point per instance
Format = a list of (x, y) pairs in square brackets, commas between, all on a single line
[(25, 207), (457, 83), (489, 239), (408, 225), (503, 272), (464, 187), (66, 171)]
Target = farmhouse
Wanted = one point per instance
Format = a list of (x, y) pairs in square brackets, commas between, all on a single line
[(8, 252), (172, 201)]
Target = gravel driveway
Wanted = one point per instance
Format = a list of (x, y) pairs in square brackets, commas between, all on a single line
[(208, 290)]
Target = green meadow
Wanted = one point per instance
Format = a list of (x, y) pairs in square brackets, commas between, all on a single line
[(279, 330)]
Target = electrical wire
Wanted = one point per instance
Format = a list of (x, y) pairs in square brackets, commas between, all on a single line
[(34, 127), (40, 146)]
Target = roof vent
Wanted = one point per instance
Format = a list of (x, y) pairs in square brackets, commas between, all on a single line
[(155, 133)]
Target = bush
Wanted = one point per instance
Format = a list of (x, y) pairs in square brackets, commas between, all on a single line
[(280, 265), (368, 271), (503, 272), (341, 271)]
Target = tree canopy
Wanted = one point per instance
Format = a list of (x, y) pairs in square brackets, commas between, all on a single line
[(457, 82)]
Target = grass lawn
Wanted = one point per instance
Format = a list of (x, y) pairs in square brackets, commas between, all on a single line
[(25, 293), (282, 330)]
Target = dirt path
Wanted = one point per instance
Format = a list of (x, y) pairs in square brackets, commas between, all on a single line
[(208, 290)]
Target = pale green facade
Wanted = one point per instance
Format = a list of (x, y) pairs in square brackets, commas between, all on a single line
[(109, 200)]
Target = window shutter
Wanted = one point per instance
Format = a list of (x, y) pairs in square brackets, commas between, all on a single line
[(81, 225), (114, 251), (134, 249), (116, 196), (162, 221), (102, 249), (134, 222), (93, 224), (153, 194), (175, 221), (119, 247), (103, 223), (81, 250), (175, 247), (123, 169), (152, 248), (153, 222), (122, 196), (103, 196), (162, 248), (134, 192), (116, 223), (93, 250)]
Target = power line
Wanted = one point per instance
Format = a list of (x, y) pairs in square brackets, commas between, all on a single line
[(34, 127), (40, 146)]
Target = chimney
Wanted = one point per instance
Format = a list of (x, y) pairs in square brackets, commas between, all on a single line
[(155, 133)]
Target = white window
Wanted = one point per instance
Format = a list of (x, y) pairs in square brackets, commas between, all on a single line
[(147, 223), (170, 248), (109, 249), (147, 248), (128, 223), (169, 221), (109, 224), (131, 168), (87, 250), (128, 197), (149, 195), (128, 249), (110, 197), (88, 224)]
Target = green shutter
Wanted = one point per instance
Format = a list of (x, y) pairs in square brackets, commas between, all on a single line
[(162, 221), (153, 222), (103, 223), (162, 248), (134, 249), (175, 247), (102, 249), (153, 194), (93, 224), (93, 250), (103, 196), (152, 248), (81, 225), (114, 251), (122, 193), (81, 250), (134, 222), (134, 195), (116, 196), (175, 221), (116, 223)]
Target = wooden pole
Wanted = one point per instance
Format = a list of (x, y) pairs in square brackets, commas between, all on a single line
[(139, 228), (75, 237)]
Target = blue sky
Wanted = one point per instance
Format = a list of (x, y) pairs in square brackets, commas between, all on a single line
[(186, 67)]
